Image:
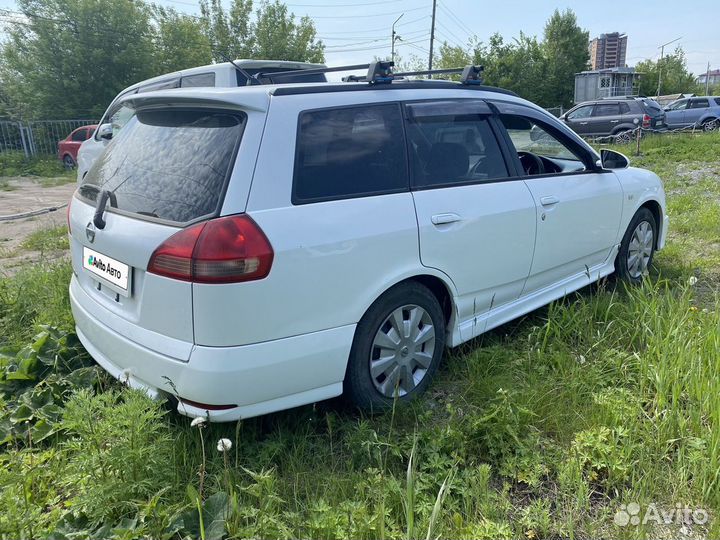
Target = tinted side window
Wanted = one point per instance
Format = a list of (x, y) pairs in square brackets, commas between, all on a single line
[(699, 104), (349, 152), (79, 135), (717, 102), (199, 80), (624, 108), (453, 148), (606, 109), (161, 85), (582, 112)]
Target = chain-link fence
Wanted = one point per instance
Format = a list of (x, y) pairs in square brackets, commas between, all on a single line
[(39, 137)]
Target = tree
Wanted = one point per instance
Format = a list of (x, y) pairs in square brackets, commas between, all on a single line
[(274, 34), (181, 41), (69, 58), (565, 46), (675, 76), (541, 71), (279, 37), (230, 34)]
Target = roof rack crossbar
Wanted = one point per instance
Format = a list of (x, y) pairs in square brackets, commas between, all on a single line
[(428, 72), (381, 72)]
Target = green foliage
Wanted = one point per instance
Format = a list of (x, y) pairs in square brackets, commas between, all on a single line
[(36, 295), (675, 76), (273, 34), (16, 164), (47, 240), (71, 57), (35, 382), (541, 71), (119, 451), (565, 48), (181, 41), (609, 396)]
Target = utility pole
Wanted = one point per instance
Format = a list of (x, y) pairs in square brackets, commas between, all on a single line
[(432, 38), (393, 38), (707, 79), (662, 55)]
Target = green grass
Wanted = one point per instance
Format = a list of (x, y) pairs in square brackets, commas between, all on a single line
[(47, 240), (539, 429), (49, 168)]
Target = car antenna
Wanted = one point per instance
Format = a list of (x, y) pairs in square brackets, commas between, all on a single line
[(250, 79)]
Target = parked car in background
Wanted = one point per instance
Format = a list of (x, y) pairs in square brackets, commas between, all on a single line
[(69, 146), (617, 116), (224, 74), (247, 250), (701, 112)]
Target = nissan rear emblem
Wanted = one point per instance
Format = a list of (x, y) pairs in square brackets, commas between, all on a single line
[(90, 232)]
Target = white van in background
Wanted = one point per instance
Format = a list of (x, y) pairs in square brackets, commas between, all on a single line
[(224, 74)]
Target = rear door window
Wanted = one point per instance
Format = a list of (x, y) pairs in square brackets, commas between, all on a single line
[(79, 135), (606, 109), (452, 143), (699, 104), (349, 152), (167, 164)]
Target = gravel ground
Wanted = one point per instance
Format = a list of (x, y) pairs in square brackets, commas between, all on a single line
[(24, 195)]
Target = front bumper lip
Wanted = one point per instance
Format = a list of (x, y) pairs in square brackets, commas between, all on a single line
[(259, 378)]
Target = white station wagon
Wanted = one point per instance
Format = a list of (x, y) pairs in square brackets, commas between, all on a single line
[(247, 250)]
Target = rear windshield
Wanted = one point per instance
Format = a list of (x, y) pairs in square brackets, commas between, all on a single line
[(650, 104), (168, 164)]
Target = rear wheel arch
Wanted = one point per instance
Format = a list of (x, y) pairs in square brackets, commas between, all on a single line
[(439, 287)]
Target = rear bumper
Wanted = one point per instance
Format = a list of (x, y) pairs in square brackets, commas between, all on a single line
[(256, 379)]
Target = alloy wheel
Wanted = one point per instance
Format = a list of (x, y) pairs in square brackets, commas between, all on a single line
[(402, 351), (640, 250)]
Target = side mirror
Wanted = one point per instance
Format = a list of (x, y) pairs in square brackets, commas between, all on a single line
[(610, 159), (105, 131)]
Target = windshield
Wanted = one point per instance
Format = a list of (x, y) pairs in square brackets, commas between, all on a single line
[(168, 164)]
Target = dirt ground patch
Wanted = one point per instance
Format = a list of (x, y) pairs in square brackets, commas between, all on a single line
[(25, 195)]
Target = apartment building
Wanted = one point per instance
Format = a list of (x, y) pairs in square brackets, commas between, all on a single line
[(608, 51)]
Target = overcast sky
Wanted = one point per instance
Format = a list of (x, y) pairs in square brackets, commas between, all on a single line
[(354, 31)]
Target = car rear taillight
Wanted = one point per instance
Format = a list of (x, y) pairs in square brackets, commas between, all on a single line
[(224, 250), (646, 121)]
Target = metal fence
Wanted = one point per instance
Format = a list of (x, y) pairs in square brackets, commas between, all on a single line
[(37, 138)]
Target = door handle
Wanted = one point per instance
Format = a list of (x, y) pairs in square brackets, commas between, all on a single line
[(583, 123), (443, 219), (614, 121), (549, 200)]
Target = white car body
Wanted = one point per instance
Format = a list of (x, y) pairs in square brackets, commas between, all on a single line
[(223, 75), (499, 249)]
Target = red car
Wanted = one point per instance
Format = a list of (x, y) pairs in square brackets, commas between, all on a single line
[(69, 146)]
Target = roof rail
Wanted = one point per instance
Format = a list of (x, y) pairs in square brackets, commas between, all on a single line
[(380, 72)]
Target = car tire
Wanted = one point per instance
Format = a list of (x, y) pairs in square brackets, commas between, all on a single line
[(385, 364), (710, 124), (623, 136), (637, 247), (68, 162)]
